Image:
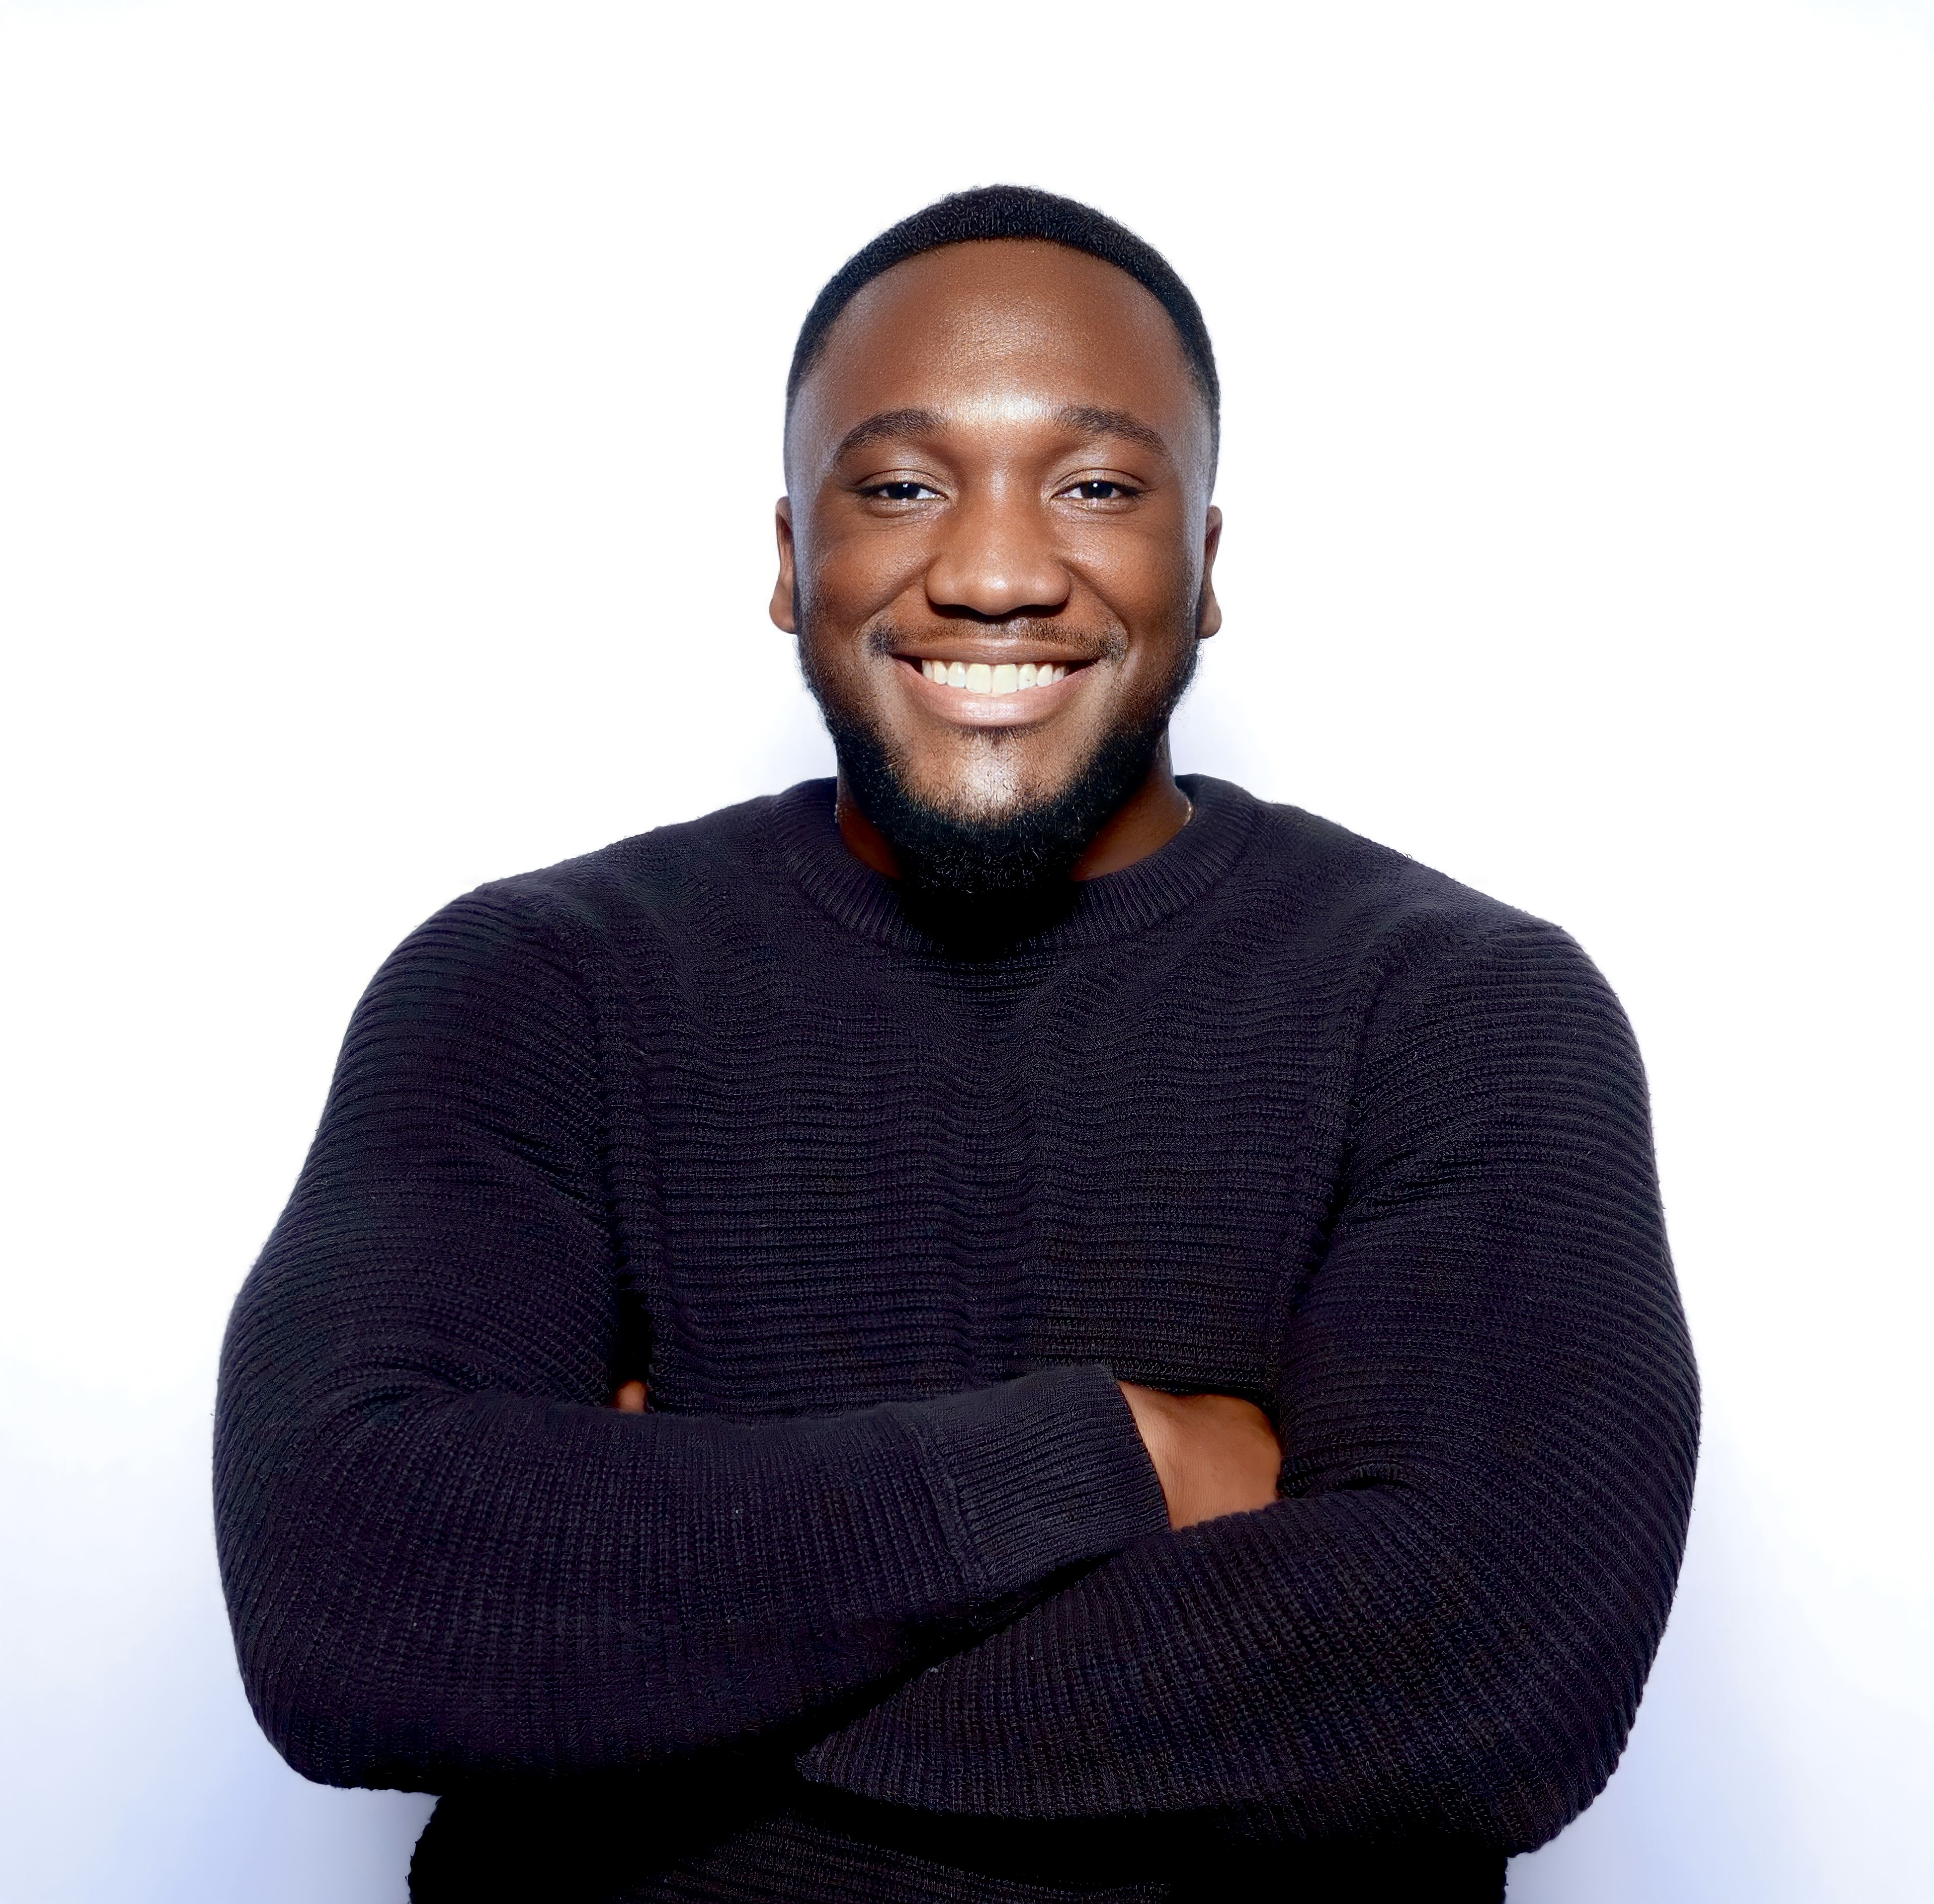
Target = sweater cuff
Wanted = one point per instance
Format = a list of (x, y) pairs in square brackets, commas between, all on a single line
[(1048, 1471)]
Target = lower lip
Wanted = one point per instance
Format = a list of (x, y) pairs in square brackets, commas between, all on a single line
[(969, 709)]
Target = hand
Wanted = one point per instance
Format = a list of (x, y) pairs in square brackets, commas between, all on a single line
[(1213, 1454), (630, 1398)]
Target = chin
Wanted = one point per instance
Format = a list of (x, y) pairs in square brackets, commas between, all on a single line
[(990, 783)]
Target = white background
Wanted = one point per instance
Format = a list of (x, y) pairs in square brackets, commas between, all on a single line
[(390, 399)]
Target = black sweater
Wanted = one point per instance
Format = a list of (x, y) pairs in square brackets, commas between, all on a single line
[(878, 1600)]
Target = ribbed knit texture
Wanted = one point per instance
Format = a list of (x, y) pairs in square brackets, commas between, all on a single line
[(878, 1600)]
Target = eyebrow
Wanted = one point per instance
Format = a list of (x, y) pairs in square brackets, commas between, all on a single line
[(888, 424), (1083, 419), (1092, 422)]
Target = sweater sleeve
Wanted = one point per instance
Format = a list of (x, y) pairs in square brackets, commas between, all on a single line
[(1486, 1394), (443, 1558)]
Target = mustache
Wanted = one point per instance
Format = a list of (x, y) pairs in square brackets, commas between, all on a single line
[(884, 639)]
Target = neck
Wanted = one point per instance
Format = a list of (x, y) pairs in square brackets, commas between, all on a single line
[(1145, 821)]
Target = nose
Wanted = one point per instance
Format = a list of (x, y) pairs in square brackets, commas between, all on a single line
[(996, 561)]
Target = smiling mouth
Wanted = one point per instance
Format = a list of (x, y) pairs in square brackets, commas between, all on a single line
[(998, 678)]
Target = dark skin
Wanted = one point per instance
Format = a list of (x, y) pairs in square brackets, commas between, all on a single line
[(1001, 459)]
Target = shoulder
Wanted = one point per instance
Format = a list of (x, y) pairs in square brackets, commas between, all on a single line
[(657, 878), (1406, 951), (1330, 887), (522, 940), (1461, 1008)]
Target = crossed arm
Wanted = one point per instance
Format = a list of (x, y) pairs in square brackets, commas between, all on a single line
[(447, 1556), (1213, 1454)]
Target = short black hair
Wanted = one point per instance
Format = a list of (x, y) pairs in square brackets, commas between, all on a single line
[(962, 218)]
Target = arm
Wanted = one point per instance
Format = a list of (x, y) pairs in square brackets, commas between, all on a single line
[(443, 1558), (1488, 1399)]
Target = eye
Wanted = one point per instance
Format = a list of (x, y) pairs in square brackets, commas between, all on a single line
[(1100, 489), (902, 492)]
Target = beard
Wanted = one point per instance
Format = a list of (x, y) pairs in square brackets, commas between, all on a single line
[(990, 866)]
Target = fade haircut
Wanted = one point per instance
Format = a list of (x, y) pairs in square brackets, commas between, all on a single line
[(964, 217)]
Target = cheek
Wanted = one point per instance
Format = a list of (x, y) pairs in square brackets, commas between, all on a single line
[(1142, 577), (854, 573)]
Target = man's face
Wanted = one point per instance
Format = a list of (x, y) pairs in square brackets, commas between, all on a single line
[(999, 467)]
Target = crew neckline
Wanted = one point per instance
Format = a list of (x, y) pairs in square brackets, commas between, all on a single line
[(1116, 906)]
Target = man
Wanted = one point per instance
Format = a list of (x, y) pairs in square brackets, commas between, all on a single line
[(1145, 1360)]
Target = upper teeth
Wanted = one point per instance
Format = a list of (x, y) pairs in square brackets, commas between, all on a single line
[(978, 678)]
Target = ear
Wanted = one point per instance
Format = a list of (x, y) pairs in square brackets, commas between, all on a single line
[(781, 611), (1208, 609)]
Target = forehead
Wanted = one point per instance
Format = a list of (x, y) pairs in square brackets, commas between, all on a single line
[(951, 327)]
